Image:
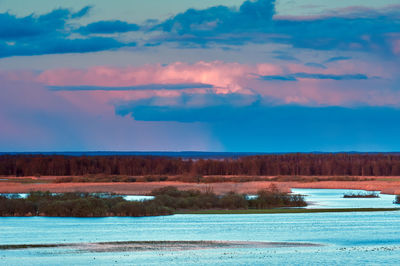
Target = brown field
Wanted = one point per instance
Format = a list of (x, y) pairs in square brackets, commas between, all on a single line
[(388, 185)]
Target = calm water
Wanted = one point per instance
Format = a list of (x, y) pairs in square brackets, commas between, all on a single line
[(333, 198), (365, 238)]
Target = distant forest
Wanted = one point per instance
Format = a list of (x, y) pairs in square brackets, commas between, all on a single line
[(340, 164)]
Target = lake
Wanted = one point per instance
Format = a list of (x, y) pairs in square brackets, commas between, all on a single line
[(346, 238)]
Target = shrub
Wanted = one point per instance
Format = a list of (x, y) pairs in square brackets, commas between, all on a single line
[(397, 199), (233, 200), (163, 178), (273, 199)]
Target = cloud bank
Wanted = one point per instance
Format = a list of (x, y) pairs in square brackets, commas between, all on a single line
[(353, 29), (270, 84), (108, 27), (347, 29)]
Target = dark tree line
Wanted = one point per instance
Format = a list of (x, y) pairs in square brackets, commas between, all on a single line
[(338, 164)]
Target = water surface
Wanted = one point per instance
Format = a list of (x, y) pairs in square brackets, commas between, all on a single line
[(347, 238), (354, 238), (333, 198)]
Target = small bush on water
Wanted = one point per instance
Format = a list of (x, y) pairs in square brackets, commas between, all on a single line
[(397, 199)]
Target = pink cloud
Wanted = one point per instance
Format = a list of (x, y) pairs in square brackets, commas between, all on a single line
[(226, 78), (221, 75)]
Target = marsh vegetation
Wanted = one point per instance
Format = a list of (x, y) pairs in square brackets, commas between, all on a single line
[(167, 200)]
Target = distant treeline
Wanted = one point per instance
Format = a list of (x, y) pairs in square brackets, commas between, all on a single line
[(167, 200), (337, 164)]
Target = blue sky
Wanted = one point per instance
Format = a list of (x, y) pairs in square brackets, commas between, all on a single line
[(256, 75)]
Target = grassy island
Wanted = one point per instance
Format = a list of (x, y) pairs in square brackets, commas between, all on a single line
[(361, 195), (167, 201)]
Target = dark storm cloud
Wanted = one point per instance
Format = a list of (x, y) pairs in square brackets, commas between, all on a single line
[(48, 34), (190, 107), (367, 30), (60, 46), (337, 58), (108, 27), (14, 28), (352, 29), (296, 76)]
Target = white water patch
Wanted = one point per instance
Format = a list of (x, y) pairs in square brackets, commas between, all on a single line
[(15, 195), (125, 197), (137, 197)]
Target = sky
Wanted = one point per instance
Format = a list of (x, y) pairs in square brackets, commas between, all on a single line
[(210, 75)]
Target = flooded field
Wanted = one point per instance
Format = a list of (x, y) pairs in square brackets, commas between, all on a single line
[(351, 238)]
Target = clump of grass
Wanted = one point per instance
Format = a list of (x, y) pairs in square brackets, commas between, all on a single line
[(397, 200)]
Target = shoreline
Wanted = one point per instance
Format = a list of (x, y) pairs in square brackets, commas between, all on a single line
[(124, 246), (287, 210), (234, 211)]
